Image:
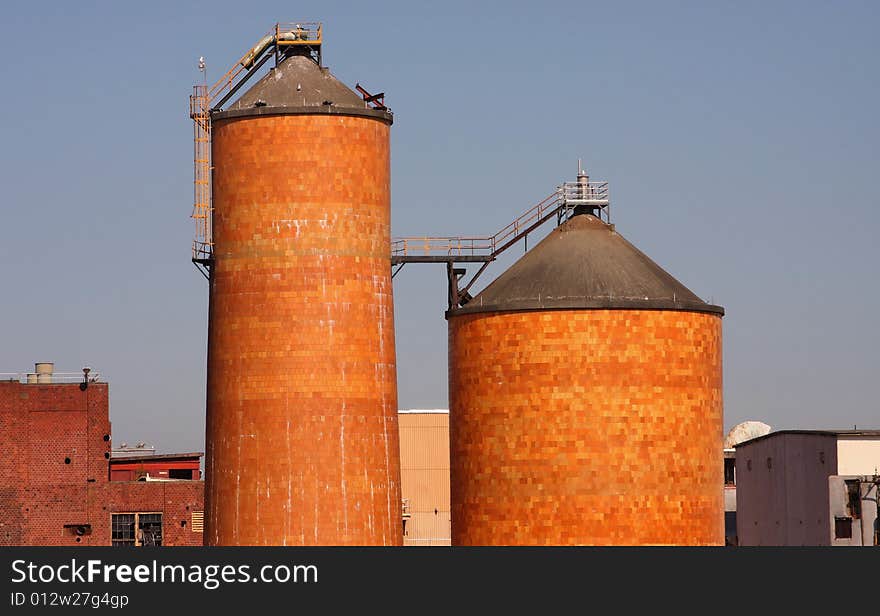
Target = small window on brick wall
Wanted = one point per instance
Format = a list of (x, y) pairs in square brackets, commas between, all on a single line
[(136, 529), (122, 528)]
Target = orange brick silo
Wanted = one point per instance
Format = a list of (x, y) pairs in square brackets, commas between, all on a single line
[(302, 436), (585, 401)]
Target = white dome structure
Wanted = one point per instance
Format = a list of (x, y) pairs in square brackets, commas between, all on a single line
[(745, 431)]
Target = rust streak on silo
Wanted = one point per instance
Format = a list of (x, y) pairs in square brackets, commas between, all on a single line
[(586, 401), (302, 435)]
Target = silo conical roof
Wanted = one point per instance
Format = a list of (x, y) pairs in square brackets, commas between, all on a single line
[(585, 264), (298, 86)]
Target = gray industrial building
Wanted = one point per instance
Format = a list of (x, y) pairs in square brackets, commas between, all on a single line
[(808, 487)]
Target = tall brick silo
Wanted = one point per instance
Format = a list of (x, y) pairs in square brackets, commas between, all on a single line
[(302, 437), (585, 401)]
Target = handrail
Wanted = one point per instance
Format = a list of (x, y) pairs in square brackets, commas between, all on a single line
[(447, 245), (577, 192), (566, 195), (467, 245), (301, 33), (56, 377), (536, 212)]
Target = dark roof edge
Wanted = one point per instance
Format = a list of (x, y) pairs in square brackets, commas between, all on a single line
[(158, 456), (834, 433), (593, 304), (383, 116)]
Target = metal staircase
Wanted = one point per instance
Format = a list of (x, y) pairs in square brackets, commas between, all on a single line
[(568, 199)]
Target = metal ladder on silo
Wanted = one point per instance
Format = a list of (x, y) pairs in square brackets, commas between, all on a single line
[(201, 213), (282, 39)]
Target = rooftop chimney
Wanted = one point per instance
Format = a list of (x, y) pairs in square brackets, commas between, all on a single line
[(44, 371)]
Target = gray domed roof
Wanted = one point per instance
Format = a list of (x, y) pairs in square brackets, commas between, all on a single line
[(299, 86), (585, 264)]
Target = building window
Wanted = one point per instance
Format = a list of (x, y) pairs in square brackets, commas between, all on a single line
[(123, 528), (150, 527), (730, 471), (136, 529), (843, 528), (180, 473)]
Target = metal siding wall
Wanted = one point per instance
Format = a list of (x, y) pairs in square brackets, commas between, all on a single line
[(806, 520), (424, 474)]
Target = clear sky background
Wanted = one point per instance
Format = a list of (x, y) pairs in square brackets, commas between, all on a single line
[(740, 140)]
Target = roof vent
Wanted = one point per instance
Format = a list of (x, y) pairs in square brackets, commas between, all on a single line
[(44, 371)]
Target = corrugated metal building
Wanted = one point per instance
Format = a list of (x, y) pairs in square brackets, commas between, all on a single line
[(424, 476)]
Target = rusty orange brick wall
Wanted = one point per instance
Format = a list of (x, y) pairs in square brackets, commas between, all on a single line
[(591, 427), (302, 435)]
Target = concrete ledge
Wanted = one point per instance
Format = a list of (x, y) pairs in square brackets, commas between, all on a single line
[(548, 304), (383, 116)]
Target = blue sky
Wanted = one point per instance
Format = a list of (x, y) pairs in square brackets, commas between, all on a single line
[(740, 140)]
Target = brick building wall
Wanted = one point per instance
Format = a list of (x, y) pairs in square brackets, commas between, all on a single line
[(54, 474), (586, 427), (176, 500)]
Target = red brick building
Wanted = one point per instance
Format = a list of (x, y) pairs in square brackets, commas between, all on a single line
[(55, 475), (140, 467)]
